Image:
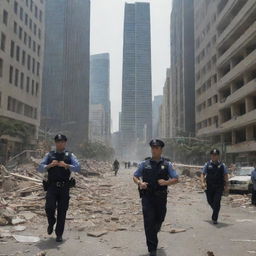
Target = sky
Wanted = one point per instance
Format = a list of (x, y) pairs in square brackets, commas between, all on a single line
[(107, 18)]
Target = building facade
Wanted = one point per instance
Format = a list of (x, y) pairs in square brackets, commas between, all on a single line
[(226, 104), (182, 67), (21, 62), (99, 88), (157, 102), (136, 123), (97, 121), (65, 95)]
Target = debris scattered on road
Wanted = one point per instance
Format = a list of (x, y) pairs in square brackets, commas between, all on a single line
[(177, 230), (26, 239), (97, 233), (210, 253)]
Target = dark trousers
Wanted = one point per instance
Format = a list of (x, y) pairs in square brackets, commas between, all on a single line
[(57, 198), (154, 211), (214, 198), (254, 196)]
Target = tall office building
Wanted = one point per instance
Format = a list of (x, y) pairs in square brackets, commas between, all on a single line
[(182, 67), (225, 34), (65, 95), (99, 89), (136, 123), (157, 102), (21, 61)]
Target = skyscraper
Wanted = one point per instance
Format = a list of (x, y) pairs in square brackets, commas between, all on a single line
[(136, 123), (65, 101), (182, 67), (99, 88)]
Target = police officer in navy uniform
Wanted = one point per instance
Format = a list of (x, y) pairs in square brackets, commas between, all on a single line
[(153, 177), (58, 164), (214, 180)]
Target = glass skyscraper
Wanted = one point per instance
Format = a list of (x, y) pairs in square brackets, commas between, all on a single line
[(136, 123)]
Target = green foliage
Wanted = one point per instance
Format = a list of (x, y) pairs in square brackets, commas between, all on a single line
[(188, 150), (16, 128), (96, 150)]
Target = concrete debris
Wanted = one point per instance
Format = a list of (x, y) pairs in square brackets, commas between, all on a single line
[(26, 239), (210, 253), (177, 230), (97, 233)]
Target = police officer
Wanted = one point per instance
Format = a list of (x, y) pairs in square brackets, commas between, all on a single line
[(214, 180), (58, 164), (253, 178), (153, 177)]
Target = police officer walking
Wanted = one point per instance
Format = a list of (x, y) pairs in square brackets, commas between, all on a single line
[(214, 180), (58, 164), (153, 177), (116, 166)]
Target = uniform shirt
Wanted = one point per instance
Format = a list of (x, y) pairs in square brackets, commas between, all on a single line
[(253, 177), (172, 173), (204, 170), (74, 166)]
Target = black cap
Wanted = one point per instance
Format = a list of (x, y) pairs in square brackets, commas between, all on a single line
[(156, 143), (60, 137), (215, 151)]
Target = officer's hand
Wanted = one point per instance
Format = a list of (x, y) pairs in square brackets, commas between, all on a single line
[(63, 164), (52, 164), (143, 185), (162, 182)]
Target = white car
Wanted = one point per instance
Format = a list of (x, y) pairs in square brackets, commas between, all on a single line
[(242, 180)]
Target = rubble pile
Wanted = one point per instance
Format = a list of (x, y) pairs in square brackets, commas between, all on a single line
[(95, 202)]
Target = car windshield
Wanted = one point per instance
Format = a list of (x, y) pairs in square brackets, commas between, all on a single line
[(244, 172)]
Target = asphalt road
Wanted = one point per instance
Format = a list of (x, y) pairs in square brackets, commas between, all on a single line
[(235, 234)]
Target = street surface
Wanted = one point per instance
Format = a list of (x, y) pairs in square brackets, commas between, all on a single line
[(187, 209)]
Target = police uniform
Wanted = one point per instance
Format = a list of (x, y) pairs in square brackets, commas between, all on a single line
[(58, 185), (215, 179), (154, 198)]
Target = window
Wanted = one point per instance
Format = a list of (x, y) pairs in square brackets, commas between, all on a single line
[(38, 50), (40, 16), (27, 3), (31, 5), (34, 46), (21, 80), (16, 81), (1, 67), (20, 33), (3, 39), (38, 69), (23, 57), (39, 33), (33, 87), (25, 38), (36, 11), (10, 74), (5, 17), (30, 24), (15, 7), (28, 84), (29, 42), (15, 26), (26, 19), (28, 61), (37, 89), (21, 13), (35, 29), (17, 53), (33, 66), (12, 49)]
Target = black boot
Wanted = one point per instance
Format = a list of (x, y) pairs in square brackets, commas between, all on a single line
[(59, 239), (50, 228)]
